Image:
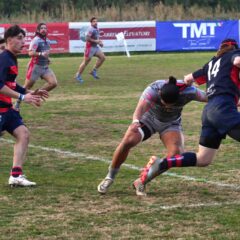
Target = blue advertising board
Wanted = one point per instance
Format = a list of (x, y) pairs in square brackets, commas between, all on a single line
[(194, 35)]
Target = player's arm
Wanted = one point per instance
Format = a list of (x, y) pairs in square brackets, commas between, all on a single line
[(201, 96), (40, 92), (198, 77), (142, 107), (236, 61), (188, 79), (90, 39), (32, 51), (145, 103), (28, 98), (5, 90)]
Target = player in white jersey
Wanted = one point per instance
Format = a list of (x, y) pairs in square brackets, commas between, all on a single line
[(91, 49), (158, 110), (38, 66)]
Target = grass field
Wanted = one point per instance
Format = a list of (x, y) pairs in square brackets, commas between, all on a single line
[(73, 137)]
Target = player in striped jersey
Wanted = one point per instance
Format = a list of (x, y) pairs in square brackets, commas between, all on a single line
[(10, 119)]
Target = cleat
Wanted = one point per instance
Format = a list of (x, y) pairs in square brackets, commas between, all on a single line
[(144, 172), (20, 181), (104, 185), (139, 187), (94, 74), (79, 78)]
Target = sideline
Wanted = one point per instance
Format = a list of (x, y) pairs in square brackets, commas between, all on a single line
[(130, 166)]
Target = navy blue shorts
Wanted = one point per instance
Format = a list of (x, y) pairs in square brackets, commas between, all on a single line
[(219, 116), (10, 120)]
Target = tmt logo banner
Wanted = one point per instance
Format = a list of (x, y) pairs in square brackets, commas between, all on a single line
[(192, 30), (194, 35)]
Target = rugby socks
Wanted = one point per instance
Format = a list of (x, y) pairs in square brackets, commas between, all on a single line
[(112, 172), (16, 171), (155, 168), (187, 159)]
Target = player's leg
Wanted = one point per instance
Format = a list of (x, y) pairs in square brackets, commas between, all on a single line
[(100, 59), (130, 139), (50, 78), (173, 140), (32, 75), (21, 134), (88, 53), (82, 67), (209, 142), (29, 83)]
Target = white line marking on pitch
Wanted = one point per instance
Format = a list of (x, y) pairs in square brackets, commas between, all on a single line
[(197, 205), (130, 166)]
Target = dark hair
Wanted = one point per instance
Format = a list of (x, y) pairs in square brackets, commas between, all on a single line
[(170, 91), (227, 45), (2, 40), (13, 31), (93, 18), (39, 26)]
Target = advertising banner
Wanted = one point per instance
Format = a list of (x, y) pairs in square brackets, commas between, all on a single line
[(57, 33), (194, 35), (139, 36)]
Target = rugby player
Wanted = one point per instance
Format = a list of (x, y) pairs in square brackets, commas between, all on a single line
[(220, 116), (38, 67), (10, 119), (158, 110), (91, 49)]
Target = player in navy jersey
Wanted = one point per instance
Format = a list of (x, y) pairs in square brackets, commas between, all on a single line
[(220, 116), (159, 110), (10, 119), (92, 49)]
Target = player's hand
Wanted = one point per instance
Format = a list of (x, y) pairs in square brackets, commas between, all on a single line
[(42, 93), (45, 53), (33, 99), (188, 79)]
